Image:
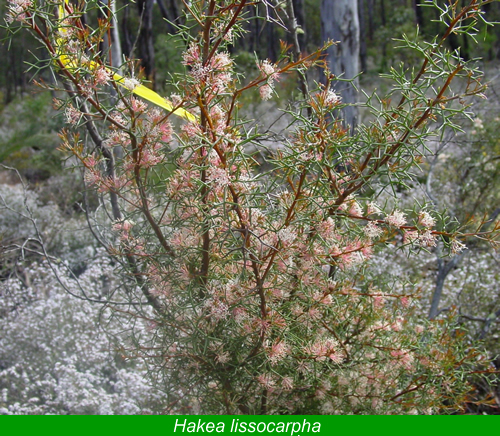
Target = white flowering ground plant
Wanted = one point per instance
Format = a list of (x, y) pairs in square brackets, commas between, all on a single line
[(253, 278), (59, 351)]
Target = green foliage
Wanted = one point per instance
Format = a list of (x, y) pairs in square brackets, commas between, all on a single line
[(313, 23), (384, 50), (168, 49), (29, 139)]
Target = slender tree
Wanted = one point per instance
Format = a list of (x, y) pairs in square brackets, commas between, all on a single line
[(362, 34), (145, 41), (340, 23), (111, 41)]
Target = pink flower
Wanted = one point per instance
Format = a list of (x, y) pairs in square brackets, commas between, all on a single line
[(117, 183), (314, 313), (372, 231), (478, 123), (325, 348), (378, 301), (150, 158), (419, 329), (266, 380), (240, 316), (165, 131), (355, 209), (218, 309), (92, 177), (326, 229), (199, 72), (372, 208), (219, 176), (130, 83), (266, 92), (221, 61), (404, 358), (220, 81), (123, 226), (192, 55), (397, 325), (269, 70), (457, 246), (277, 351), (396, 218), (137, 105), (287, 236), (410, 236), (216, 113), (17, 9), (90, 162), (367, 251), (405, 301), (192, 130), (223, 357), (287, 383), (426, 220), (118, 138), (330, 98), (175, 99), (72, 115), (102, 76), (427, 239)]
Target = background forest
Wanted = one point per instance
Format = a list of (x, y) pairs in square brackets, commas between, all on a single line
[(64, 352)]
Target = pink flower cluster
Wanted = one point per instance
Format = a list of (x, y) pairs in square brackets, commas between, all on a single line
[(213, 76), (330, 98), (396, 218), (270, 72), (17, 10), (325, 348)]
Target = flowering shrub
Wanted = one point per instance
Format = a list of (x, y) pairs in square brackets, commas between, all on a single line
[(58, 354), (258, 279)]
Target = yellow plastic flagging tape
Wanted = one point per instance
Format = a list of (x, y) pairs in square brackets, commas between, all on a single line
[(139, 90)]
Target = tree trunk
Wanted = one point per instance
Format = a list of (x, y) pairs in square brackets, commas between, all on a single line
[(300, 15), (251, 41), (444, 268), (371, 24), (127, 38), (271, 46), (419, 16), (145, 41), (111, 43), (176, 8), (168, 15), (383, 16), (339, 22), (362, 34)]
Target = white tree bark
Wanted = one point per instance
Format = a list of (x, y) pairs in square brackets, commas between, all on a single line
[(113, 47), (339, 22)]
